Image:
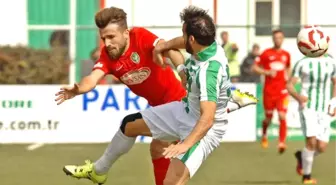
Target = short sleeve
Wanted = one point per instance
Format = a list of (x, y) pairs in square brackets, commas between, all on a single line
[(146, 39), (101, 63), (297, 70), (288, 60), (209, 80), (260, 60)]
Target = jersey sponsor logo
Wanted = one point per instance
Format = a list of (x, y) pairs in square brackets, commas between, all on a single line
[(277, 66), (136, 76), (135, 57), (271, 57), (98, 65)]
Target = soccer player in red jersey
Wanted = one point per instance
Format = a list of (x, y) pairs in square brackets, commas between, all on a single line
[(274, 63), (128, 54)]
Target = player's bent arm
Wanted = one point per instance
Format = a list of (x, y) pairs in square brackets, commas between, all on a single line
[(175, 56), (209, 85), (89, 82), (291, 89), (175, 43), (259, 70), (203, 125)]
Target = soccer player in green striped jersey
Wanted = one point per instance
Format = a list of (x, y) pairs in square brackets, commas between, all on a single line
[(318, 79)]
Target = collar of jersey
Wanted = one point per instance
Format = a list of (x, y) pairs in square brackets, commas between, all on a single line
[(207, 52)]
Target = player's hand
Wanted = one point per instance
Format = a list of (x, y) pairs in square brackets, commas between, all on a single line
[(302, 101), (332, 107), (174, 151), (157, 54), (66, 93), (183, 77), (158, 59), (271, 73)]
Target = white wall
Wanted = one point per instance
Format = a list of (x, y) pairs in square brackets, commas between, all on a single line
[(230, 12), (13, 21)]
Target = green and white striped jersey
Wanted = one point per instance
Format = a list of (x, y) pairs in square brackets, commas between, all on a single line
[(208, 80), (315, 75)]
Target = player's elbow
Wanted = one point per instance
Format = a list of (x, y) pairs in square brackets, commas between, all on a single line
[(207, 121), (254, 69), (171, 53)]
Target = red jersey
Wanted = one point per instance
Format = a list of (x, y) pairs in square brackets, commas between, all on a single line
[(136, 69), (279, 61)]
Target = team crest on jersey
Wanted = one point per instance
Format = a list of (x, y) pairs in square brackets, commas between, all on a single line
[(135, 57), (284, 58)]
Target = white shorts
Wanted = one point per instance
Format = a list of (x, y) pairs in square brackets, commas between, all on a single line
[(315, 124), (170, 122)]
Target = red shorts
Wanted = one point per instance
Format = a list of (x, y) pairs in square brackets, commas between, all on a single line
[(279, 103)]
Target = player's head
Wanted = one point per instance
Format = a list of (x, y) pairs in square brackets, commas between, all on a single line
[(278, 37), (198, 28), (112, 24), (225, 36)]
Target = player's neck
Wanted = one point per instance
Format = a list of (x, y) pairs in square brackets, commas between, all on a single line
[(197, 49), (127, 46), (277, 48)]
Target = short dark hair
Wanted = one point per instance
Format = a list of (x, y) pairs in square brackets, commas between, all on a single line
[(277, 31), (199, 24), (111, 15)]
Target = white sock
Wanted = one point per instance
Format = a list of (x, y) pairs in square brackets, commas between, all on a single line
[(307, 161), (231, 106), (119, 145)]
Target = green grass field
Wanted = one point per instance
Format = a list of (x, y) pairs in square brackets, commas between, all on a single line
[(230, 164)]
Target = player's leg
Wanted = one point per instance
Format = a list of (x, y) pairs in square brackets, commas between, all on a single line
[(282, 106), (268, 108), (240, 99), (160, 164), (178, 173), (305, 157), (132, 126), (182, 169)]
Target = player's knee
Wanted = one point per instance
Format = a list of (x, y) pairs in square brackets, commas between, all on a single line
[(172, 179), (268, 119), (127, 119), (322, 147), (311, 143), (282, 115), (157, 148)]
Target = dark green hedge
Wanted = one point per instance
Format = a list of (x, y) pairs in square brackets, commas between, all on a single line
[(22, 65)]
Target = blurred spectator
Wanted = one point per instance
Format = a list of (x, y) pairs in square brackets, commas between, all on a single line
[(87, 65), (246, 73), (231, 52), (59, 38)]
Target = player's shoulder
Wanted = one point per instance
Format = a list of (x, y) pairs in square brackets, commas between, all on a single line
[(285, 52), (268, 50), (303, 61), (138, 30), (103, 55)]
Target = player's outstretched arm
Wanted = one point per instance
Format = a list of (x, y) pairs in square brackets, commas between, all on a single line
[(85, 85), (89, 82)]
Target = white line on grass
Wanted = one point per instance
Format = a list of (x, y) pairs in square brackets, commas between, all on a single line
[(34, 146)]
